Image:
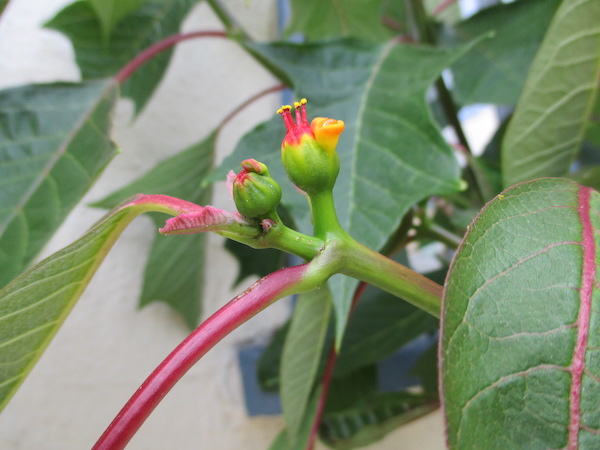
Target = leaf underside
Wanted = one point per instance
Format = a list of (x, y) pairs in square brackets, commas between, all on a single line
[(520, 344), (54, 142)]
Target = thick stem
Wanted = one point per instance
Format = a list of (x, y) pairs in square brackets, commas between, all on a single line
[(325, 219), (246, 305), (371, 267), (160, 46)]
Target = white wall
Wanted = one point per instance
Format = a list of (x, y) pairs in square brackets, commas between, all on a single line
[(107, 347)]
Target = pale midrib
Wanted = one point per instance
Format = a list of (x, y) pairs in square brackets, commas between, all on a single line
[(588, 279)]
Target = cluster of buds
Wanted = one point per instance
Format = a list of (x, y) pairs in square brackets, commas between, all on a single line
[(255, 193), (308, 151)]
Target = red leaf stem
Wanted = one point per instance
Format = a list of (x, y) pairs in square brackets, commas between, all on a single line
[(442, 6), (243, 307), (328, 374), (160, 46)]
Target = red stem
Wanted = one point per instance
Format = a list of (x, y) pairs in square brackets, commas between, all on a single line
[(246, 305), (328, 375), (160, 46), (442, 6)]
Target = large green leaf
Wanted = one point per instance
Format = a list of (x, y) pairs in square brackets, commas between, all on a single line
[(549, 123), (54, 142), (110, 12), (496, 69), (392, 155), (520, 346), (317, 19), (174, 270), (301, 356), (35, 304), (97, 58)]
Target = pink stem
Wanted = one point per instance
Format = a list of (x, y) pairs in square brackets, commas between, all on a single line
[(442, 6), (160, 46), (328, 375), (229, 317)]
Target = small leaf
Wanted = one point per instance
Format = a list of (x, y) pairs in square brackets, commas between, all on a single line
[(318, 19), (496, 69), (392, 155), (548, 125), (153, 21), (301, 355), (520, 325), (35, 304), (175, 266), (55, 141)]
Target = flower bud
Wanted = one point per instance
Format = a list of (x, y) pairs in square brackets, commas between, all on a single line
[(308, 151), (255, 193)]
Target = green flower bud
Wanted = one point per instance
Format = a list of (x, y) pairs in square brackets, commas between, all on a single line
[(255, 193), (308, 151)]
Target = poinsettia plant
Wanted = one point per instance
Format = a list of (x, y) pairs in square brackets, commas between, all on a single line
[(517, 361)]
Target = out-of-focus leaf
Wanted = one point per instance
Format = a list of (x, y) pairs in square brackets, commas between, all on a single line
[(318, 19), (357, 415), (110, 12), (548, 125), (174, 271), (520, 345), (54, 142), (282, 441), (96, 58), (301, 356), (496, 69), (391, 153), (35, 304), (379, 326), (254, 262), (270, 360)]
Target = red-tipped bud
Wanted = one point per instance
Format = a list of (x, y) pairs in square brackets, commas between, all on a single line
[(255, 193), (308, 151)]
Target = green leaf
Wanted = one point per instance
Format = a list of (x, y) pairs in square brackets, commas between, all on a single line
[(520, 340), (549, 123), (96, 58), (110, 12), (35, 304), (269, 362), (357, 414), (254, 262), (55, 141), (301, 355), (496, 69), (174, 271), (282, 441), (318, 19), (379, 326), (391, 153)]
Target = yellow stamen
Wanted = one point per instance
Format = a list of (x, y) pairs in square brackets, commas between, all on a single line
[(284, 108)]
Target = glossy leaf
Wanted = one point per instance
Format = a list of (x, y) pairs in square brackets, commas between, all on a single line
[(96, 58), (318, 19), (392, 155), (496, 70), (35, 304), (301, 355), (174, 270), (548, 125), (55, 141), (520, 357)]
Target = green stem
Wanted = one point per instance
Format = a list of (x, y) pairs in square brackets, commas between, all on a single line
[(438, 233), (371, 267), (325, 220), (233, 28)]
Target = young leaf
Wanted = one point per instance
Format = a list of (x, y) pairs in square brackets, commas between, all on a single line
[(520, 358), (549, 123), (391, 153), (96, 58), (35, 304), (318, 19), (301, 355), (174, 269), (55, 141), (496, 69)]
